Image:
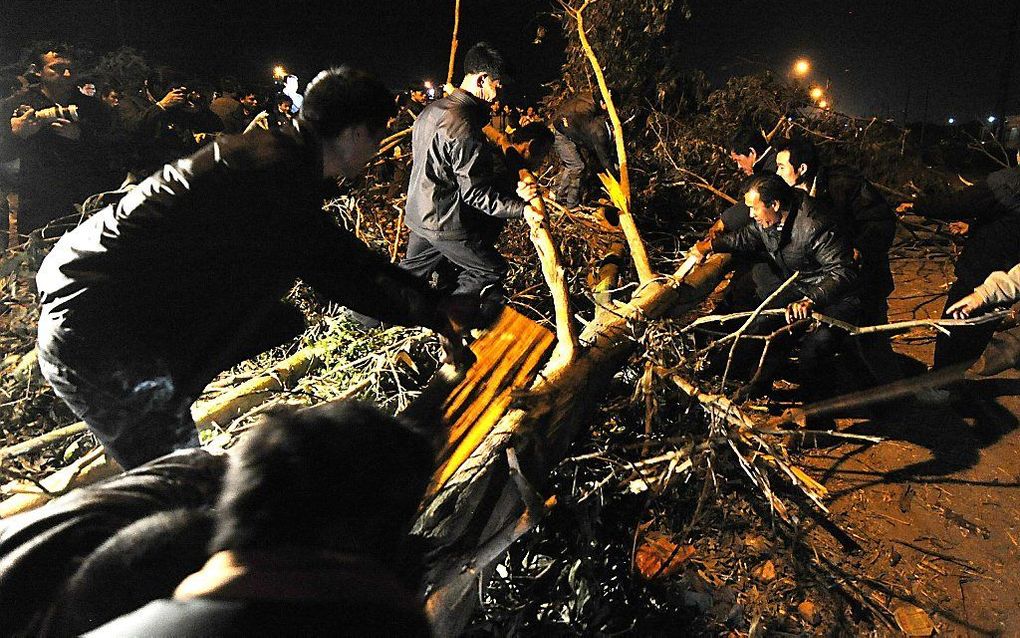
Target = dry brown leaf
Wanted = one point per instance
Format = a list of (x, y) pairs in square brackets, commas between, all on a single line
[(659, 557)]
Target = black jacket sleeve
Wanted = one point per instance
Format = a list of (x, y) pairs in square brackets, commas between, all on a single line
[(476, 181), (347, 271), (142, 119), (974, 203), (742, 241), (837, 271)]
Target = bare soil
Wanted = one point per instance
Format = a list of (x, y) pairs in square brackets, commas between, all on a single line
[(932, 513)]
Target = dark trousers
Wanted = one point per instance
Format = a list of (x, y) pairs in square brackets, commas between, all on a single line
[(470, 266), (817, 347), (135, 402), (568, 184)]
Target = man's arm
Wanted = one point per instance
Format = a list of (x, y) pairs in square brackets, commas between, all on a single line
[(347, 271), (834, 255), (475, 179), (973, 202), (142, 120), (742, 241)]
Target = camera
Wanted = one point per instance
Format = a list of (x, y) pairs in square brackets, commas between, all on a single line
[(52, 113)]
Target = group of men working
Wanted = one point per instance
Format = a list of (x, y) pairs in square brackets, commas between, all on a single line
[(129, 343)]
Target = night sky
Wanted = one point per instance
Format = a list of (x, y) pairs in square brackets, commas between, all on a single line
[(869, 52)]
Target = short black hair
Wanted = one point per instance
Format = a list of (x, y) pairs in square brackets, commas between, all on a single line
[(485, 58), (340, 477), (747, 140), (771, 189), (801, 151), (342, 97), (35, 52), (538, 134)]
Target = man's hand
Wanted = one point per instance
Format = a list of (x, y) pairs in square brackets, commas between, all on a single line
[(718, 228), (799, 310), (66, 128), (25, 125), (173, 99), (701, 249), (527, 190), (965, 307), (958, 229), (905, 207), (533, 215)]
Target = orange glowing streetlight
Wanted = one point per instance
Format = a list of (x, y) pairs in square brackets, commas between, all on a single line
[(823, 104), (816, 93), (279, 72), (801, 67)]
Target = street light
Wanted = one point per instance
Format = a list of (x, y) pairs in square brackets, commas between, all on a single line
[(952, 120), (817, 93), (279, 72), (823, 104), (801, 67), (991, 119)]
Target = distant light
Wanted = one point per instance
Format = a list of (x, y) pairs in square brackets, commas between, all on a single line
[(817, 93), (279, 72), (952, 120), (428, 84), (823, 104), (991, 119), (801, 67)]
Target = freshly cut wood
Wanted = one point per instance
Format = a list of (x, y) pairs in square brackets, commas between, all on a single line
[(42, 440), (86, 470), (508, 359)]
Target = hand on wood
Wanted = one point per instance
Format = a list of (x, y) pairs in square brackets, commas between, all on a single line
[(905, 207), (701, 249), (527, 190), (799, 310), (25, 125), (965, 307)]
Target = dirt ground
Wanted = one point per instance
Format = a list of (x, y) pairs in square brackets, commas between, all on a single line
[(933, 511)]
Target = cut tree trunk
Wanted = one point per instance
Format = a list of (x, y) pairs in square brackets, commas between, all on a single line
[(478, 503)]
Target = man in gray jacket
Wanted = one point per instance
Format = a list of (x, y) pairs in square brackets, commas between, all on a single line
[(455, 212)]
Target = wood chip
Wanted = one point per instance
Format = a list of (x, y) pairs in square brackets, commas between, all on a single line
[(913, 621), (659, 557)]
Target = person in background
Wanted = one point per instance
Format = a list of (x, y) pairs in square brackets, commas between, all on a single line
[(580, 127), (62, 155)]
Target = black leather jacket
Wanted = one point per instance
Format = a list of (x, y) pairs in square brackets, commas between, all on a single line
[(452, 188), (199, 251), (810, 241), (584, 124)]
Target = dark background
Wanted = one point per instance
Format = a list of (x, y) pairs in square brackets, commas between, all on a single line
[(870, 53)]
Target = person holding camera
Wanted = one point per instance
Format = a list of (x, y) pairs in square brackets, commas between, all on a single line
[(57, 135), (162, 122)]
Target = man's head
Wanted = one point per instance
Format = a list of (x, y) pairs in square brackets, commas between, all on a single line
[(768, 197), (54, 65), (797, 162), (111, 96), (230, 87), (532, 142), (348, 110), (88, 87), (283, 103), (746, 148), (337, 478), (418, 95), (484, 72), (249, 100)]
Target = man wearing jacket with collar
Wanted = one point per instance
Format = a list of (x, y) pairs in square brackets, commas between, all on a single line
[(792, 232), (454, 210)]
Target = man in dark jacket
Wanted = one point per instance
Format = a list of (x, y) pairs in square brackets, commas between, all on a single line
[(310, 537), (794, 233), (454, 211), (149, 299), (163, 122), (992, 209), (753, 155), (580, 127), (62, 159)]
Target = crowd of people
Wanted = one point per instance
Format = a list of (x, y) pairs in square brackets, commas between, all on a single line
[(218, 210)]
